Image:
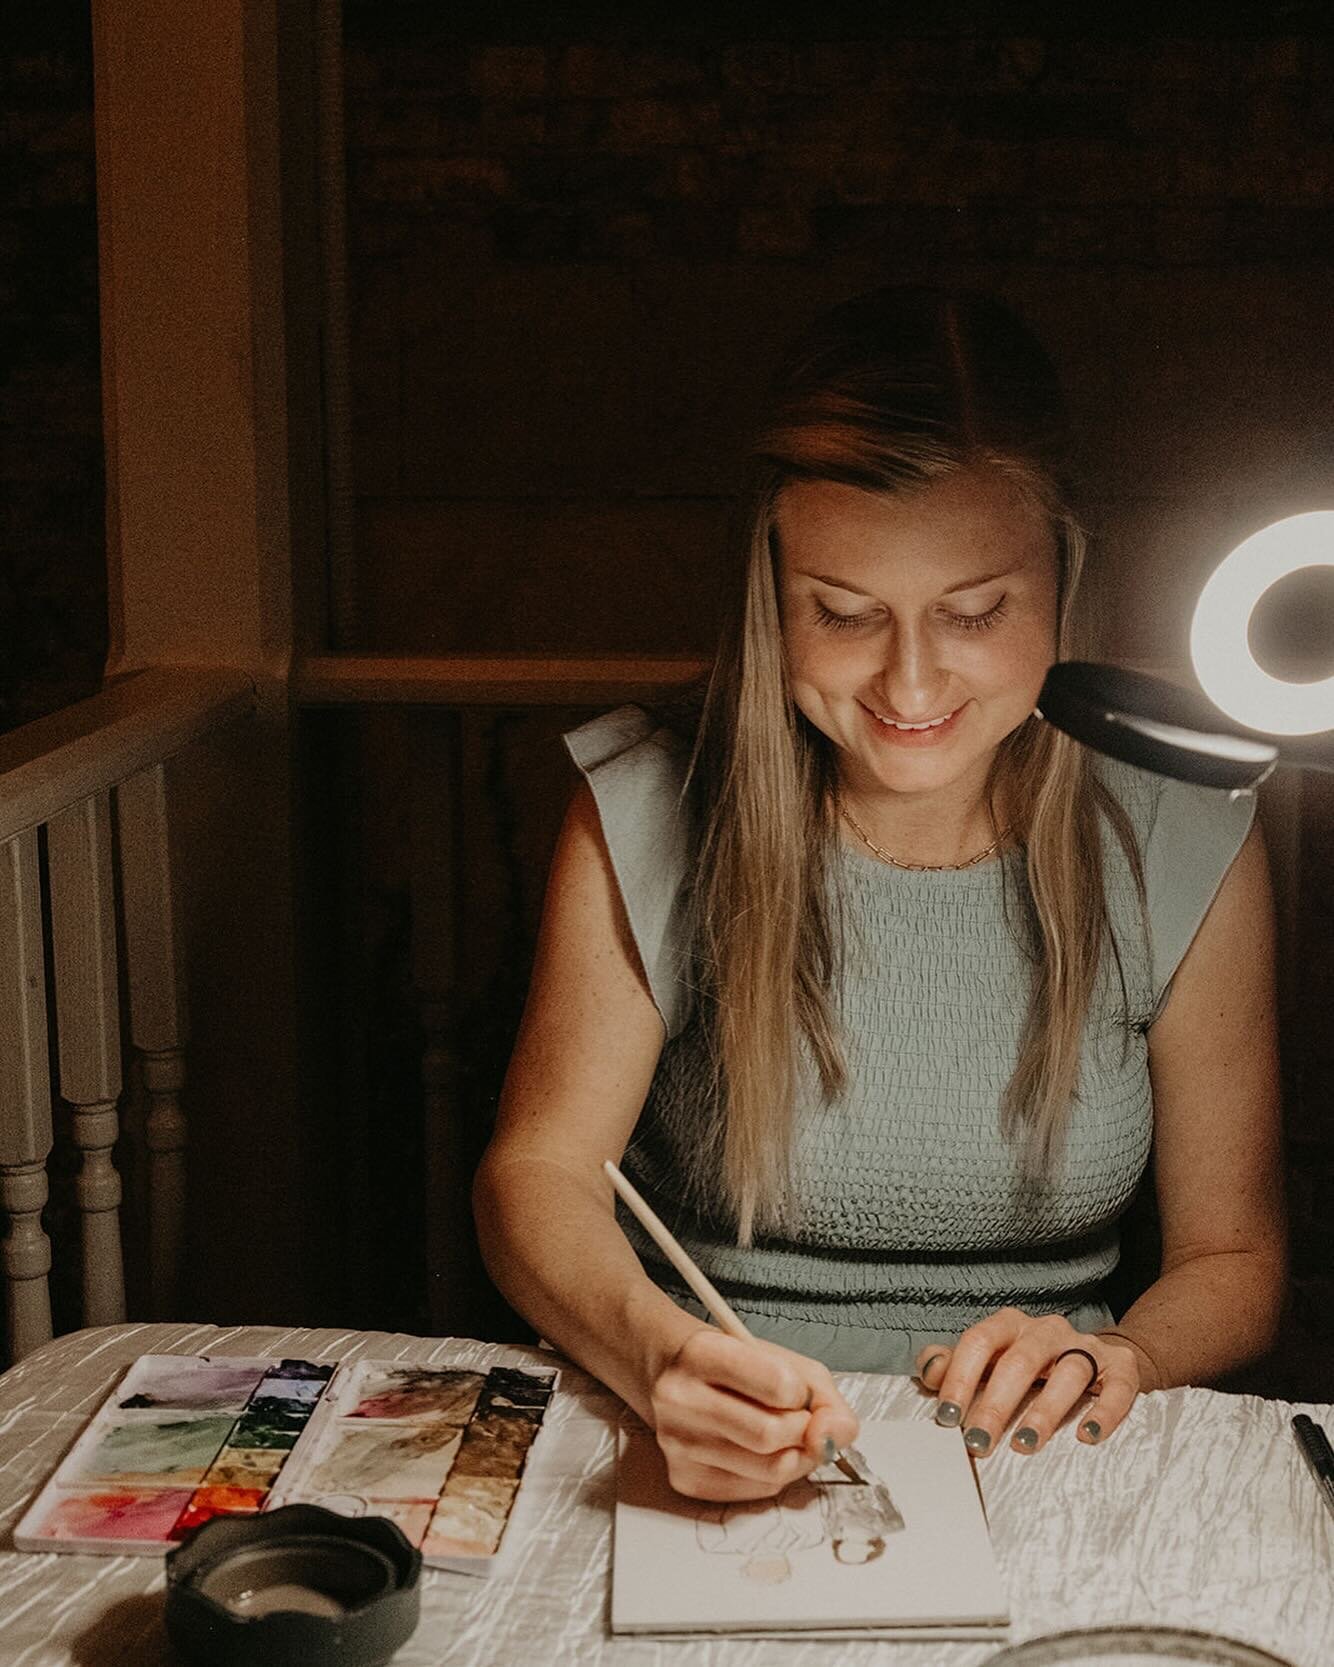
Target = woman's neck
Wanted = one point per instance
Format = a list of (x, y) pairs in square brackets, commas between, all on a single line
[(946, 829)]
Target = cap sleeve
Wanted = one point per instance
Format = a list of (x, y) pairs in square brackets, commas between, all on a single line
[(637, 773), (1193, 839)]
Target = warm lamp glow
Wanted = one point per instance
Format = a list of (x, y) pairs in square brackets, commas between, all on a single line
[(1219, 647)]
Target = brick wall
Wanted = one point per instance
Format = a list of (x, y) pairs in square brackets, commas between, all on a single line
[(52, 538), (574, 256)]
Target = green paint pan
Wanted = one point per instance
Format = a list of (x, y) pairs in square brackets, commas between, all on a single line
[(295, 1587)]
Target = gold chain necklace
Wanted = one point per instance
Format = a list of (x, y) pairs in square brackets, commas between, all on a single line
[(916, 867)]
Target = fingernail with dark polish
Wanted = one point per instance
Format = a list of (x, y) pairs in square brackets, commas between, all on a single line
[(830, 1450), (976, 1441), (1092, 1429), (930, 1363), (948, 1414), (1026, 1439)]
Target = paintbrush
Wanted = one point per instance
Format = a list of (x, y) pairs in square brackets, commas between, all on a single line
[(723, 1315)]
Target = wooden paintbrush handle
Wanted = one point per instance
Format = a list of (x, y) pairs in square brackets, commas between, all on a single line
[(715, 1304)]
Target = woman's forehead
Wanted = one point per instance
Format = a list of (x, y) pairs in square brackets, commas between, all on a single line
[(961, 525)]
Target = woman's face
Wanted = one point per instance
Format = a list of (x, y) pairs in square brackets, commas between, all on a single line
[(934, 607)]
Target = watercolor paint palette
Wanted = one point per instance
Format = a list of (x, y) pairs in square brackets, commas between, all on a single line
[(181, 1439)]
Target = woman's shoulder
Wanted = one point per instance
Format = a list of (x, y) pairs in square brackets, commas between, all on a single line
[(1169, 815), (637, 770), (1187, 838), (630, 741)]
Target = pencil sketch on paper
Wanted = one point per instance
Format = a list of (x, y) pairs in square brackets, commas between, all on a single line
[(854, 1520), (906, 1548)]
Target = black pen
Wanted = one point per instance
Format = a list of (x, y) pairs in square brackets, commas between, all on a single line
[(1318, 1453)]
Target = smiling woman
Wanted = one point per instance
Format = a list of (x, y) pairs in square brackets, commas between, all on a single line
[(927, 650), (862, 972)]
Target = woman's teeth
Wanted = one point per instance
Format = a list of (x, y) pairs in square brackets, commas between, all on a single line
[(931, 723)]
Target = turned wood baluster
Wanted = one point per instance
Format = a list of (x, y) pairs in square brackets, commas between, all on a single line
[(158, 1025), (83, 941), (25, 1097)]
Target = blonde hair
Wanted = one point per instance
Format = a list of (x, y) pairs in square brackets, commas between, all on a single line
[(887, 393)]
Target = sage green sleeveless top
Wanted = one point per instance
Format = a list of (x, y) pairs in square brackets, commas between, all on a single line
[(916, 1218)]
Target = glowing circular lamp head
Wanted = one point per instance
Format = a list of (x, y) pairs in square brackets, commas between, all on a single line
[(1219, 633)]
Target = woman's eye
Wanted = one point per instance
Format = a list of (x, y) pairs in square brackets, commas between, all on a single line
[(979, 622), (840, 622)]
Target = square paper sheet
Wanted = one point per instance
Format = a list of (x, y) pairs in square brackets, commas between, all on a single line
[(909, 1556)]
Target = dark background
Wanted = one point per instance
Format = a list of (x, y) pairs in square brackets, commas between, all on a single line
[(575, 246)]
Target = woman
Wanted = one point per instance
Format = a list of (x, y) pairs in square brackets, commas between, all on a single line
[(886, 986)]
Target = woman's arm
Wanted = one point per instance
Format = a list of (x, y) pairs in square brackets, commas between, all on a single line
[(730, 1415), (1213, 1061)]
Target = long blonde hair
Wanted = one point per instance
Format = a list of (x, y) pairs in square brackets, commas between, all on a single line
[(886, 393)]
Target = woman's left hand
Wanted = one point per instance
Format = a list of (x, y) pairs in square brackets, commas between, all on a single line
[(991, 1372)]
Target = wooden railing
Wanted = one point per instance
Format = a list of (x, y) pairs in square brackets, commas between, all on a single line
[(467, 680), (66, 782)]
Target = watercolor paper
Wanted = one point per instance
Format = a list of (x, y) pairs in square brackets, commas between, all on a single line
[(470, 1517), (368, 1450), (408, 1393), (186, 1383), (246, 1467), (303, 1391), (388, 1461), (270, 1428), (908, 1554), (146, 1515), (169, 1452), (413, 1516), (162, 1453), (209, 1502), (439, 1450), (318, 1370)]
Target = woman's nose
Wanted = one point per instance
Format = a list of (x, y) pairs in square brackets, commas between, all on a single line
[(911, 679)]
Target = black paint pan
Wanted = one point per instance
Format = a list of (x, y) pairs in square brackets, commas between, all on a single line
[(296, 1587)]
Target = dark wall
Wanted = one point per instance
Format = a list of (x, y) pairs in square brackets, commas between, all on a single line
[(53, 628), (575, 256)]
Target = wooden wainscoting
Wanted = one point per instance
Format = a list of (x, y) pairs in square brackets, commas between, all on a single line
[(445, 785)]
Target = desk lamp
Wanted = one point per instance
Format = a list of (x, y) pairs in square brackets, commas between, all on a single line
[(1251, 720)]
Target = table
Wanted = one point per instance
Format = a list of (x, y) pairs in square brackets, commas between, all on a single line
[(1196, 1513)]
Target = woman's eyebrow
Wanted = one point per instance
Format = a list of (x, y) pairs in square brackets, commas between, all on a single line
[(856, 590), (982, 579)]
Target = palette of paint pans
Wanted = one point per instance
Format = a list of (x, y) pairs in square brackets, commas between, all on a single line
[(182, 1439), (1135, 1647)]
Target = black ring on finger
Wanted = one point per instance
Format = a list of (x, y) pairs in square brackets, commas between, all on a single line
[(1094, 1368)]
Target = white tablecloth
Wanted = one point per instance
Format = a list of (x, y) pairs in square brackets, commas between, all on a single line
[(1196, 1513)]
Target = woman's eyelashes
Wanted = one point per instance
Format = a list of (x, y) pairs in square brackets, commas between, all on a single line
[(962, 622)]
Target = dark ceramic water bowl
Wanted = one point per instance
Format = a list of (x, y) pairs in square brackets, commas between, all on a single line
[(296, 1587)]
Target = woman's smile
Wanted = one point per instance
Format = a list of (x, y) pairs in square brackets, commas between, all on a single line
[(929, 733)]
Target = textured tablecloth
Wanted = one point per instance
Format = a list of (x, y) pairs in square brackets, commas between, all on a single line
[(1196, 1513)]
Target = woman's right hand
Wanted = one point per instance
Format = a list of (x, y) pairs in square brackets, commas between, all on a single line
[(740, 1418)]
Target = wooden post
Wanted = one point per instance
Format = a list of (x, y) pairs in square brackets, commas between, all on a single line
[(208, 272), (25, 1097), (83, 940), (155, 974)]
